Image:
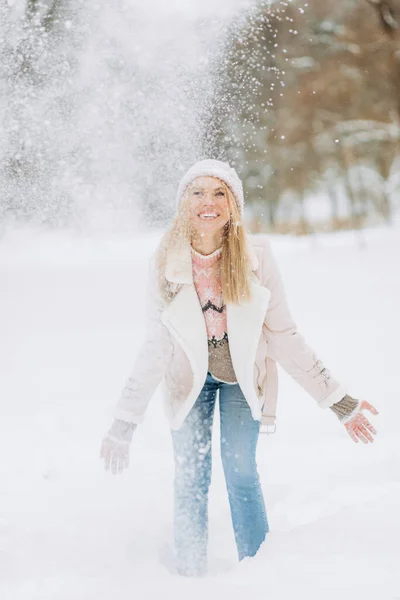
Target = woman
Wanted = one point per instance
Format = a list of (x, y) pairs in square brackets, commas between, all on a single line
[(218, 321)]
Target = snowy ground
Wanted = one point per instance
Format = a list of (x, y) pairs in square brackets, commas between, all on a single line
[(70, 322)]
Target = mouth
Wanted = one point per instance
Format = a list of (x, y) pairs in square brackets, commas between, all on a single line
[(208, 216)]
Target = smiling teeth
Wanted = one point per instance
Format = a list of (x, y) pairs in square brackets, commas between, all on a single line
[(208, 215)]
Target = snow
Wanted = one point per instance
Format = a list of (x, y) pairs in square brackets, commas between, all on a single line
[(71, 323)]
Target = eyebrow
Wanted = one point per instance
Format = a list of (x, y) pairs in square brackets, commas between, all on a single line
[(197, 187)]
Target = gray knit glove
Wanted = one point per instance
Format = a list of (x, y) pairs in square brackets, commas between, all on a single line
[(115, 446)]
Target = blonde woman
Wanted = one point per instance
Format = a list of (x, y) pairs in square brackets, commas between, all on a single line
[(218, 322)]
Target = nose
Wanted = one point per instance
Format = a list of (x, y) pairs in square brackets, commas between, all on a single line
[(208, 197)]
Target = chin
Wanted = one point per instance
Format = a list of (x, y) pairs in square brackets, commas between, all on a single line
[(209, 228)]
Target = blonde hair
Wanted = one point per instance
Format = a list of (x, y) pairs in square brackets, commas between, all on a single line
[(235, 267)]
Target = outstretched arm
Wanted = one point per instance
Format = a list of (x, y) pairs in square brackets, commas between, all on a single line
[(288, 347), (149, 367)]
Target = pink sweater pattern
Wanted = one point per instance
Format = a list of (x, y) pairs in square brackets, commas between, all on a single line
[(207, 281)]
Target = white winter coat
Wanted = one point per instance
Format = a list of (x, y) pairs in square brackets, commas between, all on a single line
[(261, 333)]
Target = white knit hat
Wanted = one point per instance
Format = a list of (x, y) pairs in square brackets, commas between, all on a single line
[(214, 168)]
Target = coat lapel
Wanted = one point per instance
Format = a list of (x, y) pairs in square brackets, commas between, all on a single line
[(185, 320)]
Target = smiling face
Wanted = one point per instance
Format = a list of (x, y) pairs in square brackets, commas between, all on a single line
[(208, 205)]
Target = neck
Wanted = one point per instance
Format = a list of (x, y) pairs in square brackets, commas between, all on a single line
[(206, 244)]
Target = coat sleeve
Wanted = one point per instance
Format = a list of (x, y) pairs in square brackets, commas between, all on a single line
[(152, 359), (287, 346)]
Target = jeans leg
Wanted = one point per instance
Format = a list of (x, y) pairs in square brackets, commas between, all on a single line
[(239, 436), (192, 455)]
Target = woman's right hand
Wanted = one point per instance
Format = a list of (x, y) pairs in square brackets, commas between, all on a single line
[(115, 446), (115, 454)]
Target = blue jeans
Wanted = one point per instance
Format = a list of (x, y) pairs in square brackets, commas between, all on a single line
[(192, 454)]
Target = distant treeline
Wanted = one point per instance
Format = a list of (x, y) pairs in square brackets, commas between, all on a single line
[(308, 105)]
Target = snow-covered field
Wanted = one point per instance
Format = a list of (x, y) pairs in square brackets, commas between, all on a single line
[(71, 323)]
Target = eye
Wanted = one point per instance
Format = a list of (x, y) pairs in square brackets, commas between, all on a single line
[(197, 193), (220, 193)]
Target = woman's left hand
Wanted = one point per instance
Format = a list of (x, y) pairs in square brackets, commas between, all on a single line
[(358, 426)]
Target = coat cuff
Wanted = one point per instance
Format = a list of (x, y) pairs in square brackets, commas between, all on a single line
[(334, 397), (122, 431), (126, 415)]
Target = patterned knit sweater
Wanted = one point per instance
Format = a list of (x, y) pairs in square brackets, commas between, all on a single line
[(207, 281)]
